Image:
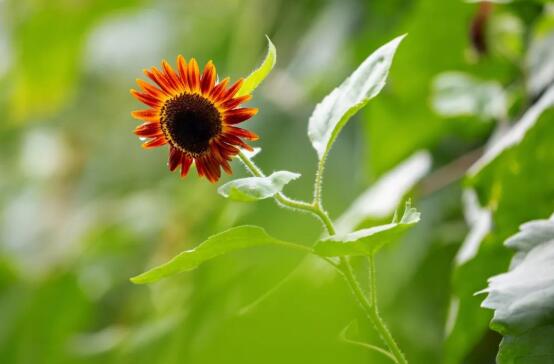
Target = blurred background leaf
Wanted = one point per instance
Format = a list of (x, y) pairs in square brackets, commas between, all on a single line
[(83, 207)]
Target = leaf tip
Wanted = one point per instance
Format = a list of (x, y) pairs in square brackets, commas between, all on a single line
[(139, 279)]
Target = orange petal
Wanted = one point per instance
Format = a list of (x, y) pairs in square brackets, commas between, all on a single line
[(214, 148), (208, 78), (148, 130), (226, 167), (235, 140), (152, 90), (236, 116), (232, 103), (218, 90), (174, 160), (170, 75), (212, 169), (160, 80), (182, 67), (148, 115), (186, 161), (219, 153), (227, 150), (156, 142), (221, 157), (199, 167), (193, 75), (146, 99), (243, 133), (232, 90)]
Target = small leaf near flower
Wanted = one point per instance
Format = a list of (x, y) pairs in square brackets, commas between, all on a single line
[(256, 188), (237, 238), (366, 241), (330, 116), (257, 76)]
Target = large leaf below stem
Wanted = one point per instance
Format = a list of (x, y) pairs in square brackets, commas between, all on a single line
[(258, 75), (366, 241), (256, 188), (236, 238), (330, 116)]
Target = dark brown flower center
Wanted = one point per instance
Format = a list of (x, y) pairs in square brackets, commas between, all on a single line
[(189, 121)]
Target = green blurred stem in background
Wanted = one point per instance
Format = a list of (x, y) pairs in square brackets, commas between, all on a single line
[(343, 266)]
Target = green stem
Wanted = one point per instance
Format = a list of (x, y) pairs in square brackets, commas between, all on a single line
[(286, 201), (344, 266), (318, 199), (377, 319)]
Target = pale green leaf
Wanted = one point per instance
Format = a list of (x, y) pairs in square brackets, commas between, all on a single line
[(479, 220), (459, 94), (330, 116), (515, 178), (540, 63), (383, 197), (517, 132), (523, 298), (366, 241), (257, 76), (256, 188), (236, 238)]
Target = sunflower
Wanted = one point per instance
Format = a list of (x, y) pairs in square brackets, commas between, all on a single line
[(196, 115)]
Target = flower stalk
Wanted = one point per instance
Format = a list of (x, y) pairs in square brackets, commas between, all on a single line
[(369, 305)]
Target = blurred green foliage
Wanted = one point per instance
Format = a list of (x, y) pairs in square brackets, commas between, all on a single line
[(83, 207)]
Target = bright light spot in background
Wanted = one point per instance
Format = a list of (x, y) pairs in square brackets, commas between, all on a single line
[(126, 43), (43, 154)]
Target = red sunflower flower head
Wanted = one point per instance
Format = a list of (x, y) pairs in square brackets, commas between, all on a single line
[(196, 115)]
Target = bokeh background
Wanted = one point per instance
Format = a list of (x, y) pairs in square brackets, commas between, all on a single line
[(83, 207)]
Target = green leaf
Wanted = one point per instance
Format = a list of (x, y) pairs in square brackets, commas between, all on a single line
[(236, 238), (459, 94), (257, 76), (523, 298), (516, 134), (518, 175), (533, 347), (366, 241), (256, 188), (330, 116), (540, 63)]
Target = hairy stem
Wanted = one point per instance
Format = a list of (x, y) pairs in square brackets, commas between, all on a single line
[(344, 266), (288, 202), (377, 319), (318, 184)]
